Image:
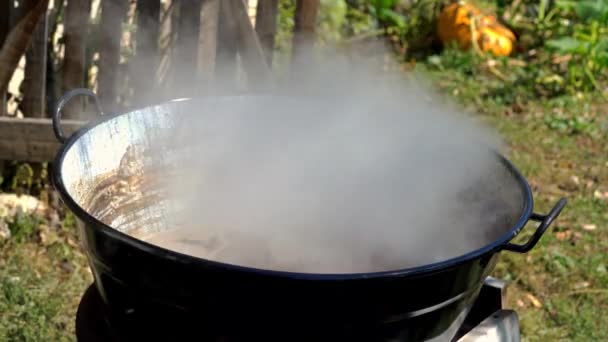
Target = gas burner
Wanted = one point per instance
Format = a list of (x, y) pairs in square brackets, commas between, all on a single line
[(487, 321)]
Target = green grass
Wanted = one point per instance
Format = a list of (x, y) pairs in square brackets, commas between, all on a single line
[(42, 276), (567, 271)]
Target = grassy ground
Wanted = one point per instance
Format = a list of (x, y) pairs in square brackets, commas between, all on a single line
[(42, 276), (560, 289)]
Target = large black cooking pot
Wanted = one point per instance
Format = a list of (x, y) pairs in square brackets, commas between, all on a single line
[(155, 293)]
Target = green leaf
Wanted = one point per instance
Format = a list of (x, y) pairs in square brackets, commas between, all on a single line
[(393, 17), (602, 45), (568, 45), (602, 60), (592, 9)]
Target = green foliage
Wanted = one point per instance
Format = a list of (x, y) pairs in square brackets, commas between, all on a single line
[(587, 43), (40, 289), (332, 17), (570, 125), (23, 178), (384, 11), (23, 227)]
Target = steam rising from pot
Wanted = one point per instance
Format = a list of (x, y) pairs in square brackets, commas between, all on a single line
[(347, 170)]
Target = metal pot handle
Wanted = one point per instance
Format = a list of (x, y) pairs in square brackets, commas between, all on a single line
[(545, 222), (63, 101)]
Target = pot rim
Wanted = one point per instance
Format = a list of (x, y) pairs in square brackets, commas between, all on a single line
[(92, 222)]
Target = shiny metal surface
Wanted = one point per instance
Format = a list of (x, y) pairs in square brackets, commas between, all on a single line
[(502, 326), (108, 174)]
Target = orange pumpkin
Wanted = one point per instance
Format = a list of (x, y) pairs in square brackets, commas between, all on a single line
[(464, 23)]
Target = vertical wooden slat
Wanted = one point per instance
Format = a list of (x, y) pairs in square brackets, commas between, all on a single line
[(52, 84), (305, 20), (248, 44), (34, 82), (184, 71), (17, 41), (226, 62), (5, 10), (207, 42), (112, 16), (146, 59), (169, 11), (266, 26), (76, 22)]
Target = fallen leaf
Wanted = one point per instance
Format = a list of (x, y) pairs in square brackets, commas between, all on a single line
[(589, 184), (562, 59), (589, 226), (581, 285), (571, 184), (43, 236), (5, 233), (534, 300), (67, 266), (575, 237), (516, 62), (521, 303), (564, 235), (600, 194), (72, 243)]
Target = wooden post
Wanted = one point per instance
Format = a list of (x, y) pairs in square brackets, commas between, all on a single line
[(166, 41), (5, 10), (184, 70), (266, 26), (207, 40), (305, 20), (146, 60), (76, 22), (112, 16), (248, 44), (17, 41), (34, 82), (226, 63)]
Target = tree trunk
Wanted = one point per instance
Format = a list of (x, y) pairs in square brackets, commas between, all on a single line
[(76, 22), (17, 42), (207, 42), (112, 16), (266, 26), (305, 20), (34, 82), (146, 59)]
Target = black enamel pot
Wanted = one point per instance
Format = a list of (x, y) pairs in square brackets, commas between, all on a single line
[(155, 293)]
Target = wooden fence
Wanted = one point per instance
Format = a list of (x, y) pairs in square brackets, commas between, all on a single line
[(194, 34)]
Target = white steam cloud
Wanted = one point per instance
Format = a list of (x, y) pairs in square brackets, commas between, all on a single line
[(340, 169)]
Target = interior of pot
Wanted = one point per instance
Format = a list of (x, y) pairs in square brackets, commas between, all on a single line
[(109, 172)]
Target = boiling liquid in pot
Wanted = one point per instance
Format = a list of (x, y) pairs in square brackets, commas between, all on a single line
[(132, 201), (371, 178)]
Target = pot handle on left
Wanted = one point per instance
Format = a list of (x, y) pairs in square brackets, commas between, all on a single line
[(545, 222), (63, 101)]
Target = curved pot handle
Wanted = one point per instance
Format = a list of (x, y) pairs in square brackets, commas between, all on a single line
[(63, 101), (545, 222)]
